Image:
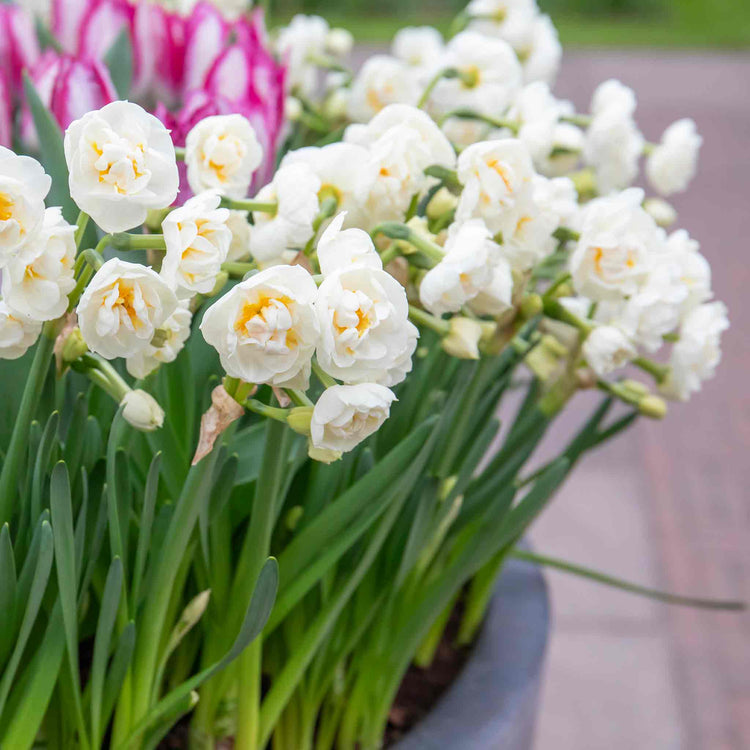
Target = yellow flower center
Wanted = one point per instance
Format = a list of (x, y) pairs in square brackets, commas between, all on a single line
[(6, 207)]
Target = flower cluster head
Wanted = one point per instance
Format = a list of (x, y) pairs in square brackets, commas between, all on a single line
[(443, 187)]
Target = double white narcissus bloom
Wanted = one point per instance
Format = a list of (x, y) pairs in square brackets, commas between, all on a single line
[(607, 349), (123, 307), (366, 335), (403, 142), (615, 251), (17, 334), (498, 180), (345, 415), (265, 329), (276, 237), (472, 265), (344, 171), (697, 354), (222, 153), (23, 188), (197, 239), (673, 162), (168, 342), (418, 46), (383, 80), (613, 143), (122, 164), (37, 282)]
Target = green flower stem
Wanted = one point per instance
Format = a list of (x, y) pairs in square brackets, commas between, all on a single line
[(467, 79), (553, 309), (81, 224), (479, 596), (659, 372), (272, 412), (126, 241), (248, 205), (322, 375), (470, 114), (179, 153), (563, 278), (20, 435), (238, 270), (389, 255), (397, 231), (103, 374), (581, 121), (593, 575), (423, 318)]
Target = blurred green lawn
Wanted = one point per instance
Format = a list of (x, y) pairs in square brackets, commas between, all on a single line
[(615, 23)]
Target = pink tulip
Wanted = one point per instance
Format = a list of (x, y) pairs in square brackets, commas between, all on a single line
[(6, 114), (19, 48), (69, 87), (207, 33)]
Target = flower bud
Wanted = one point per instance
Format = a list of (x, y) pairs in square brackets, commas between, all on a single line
[(74, 347), (463, 340), (636, 387), (336, 104), (441, 203), (141, 410), (292, 108), (653, 407), (661, 212), (299, 420), (339, 42), (531, 306)]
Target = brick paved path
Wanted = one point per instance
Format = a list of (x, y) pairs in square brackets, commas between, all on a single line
[(669, 504)]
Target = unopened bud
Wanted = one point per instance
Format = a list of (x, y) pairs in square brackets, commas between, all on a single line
[(661, 212), (441, 203), (463, 339), (292, 108), (531, 306), (339, 42), (336, 104), (141, 410), (636, 387), (653, 407), (73, 347), (299, 420)]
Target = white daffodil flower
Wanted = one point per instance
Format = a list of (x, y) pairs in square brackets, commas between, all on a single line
[(123, 307), (345, 415), (298, 45), (418, 46), (383, 80), (170, 337), (122, 163), (23, 188), (277, 237), (465, 271), (498, 180), (37, 282), (339, 248), (672, 164), (607, 349), (222, 153), (618, 242), (197, 239), (366, 335), (17, 333), (265, 329), (344, 171), (697, 354)]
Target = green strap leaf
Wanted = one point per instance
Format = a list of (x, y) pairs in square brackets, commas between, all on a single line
[(144, 532), (8, 583), (119, 60), (117, 671), (107, 616), (255, 620), (633, 588), (36, 593)]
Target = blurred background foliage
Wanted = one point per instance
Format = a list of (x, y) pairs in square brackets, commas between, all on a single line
[(627, 23)]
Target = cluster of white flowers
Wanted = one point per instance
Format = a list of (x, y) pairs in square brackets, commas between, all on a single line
[(461, 187)]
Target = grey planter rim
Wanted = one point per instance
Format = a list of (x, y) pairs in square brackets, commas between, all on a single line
[(493, 704)]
